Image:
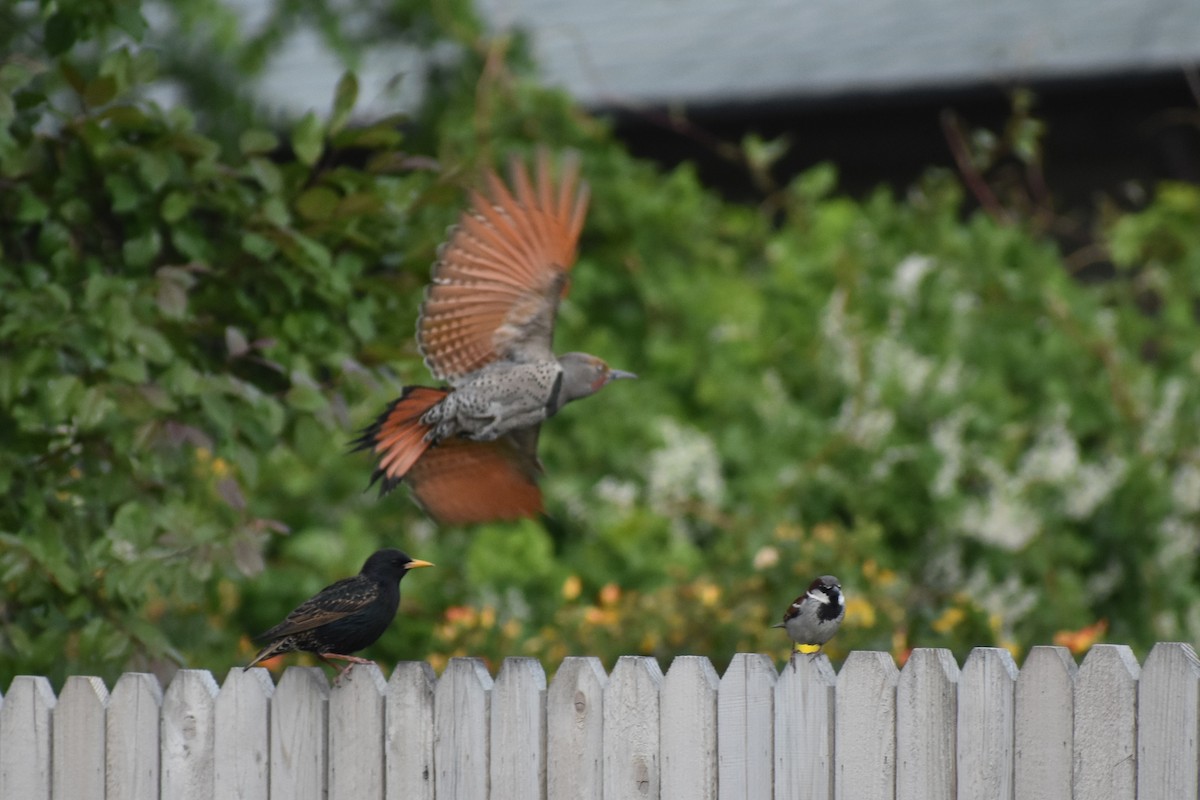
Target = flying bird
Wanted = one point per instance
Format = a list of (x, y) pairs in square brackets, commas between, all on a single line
[(468, 451), (816, 615), (346, 616)]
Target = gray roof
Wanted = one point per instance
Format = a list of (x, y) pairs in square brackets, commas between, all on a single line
[(717, 52), (609, 52)]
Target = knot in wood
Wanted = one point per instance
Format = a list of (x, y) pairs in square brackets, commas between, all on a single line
[(580, 702)]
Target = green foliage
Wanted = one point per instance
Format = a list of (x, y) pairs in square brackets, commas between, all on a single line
[(199, 305)]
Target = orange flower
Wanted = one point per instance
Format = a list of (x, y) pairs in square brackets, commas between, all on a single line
[(1082, 639)]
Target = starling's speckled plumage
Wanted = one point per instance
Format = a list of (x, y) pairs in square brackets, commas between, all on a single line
[(346, 616), (469, 452), (816, 615)]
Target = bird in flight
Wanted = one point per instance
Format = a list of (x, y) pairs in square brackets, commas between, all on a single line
[(468, 451)]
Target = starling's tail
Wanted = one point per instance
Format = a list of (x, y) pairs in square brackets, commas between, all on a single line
[(273, 649), (398, 436)]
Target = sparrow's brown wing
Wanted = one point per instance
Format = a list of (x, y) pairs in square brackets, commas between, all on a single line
[(499, 277), (794, 608), (461, 481), (331, 603)]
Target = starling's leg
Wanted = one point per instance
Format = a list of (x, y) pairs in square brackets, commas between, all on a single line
[(341, 670), (351, 659)]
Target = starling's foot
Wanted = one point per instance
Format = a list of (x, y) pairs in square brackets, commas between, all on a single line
[(340, 669)]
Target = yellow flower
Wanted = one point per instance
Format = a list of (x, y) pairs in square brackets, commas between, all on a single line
[(709, 594), (825, 533), (571, 588), (950, 619), (859, 612)]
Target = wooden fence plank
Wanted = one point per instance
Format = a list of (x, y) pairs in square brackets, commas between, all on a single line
[(865, 729), (986, 689), (356, 708), (1043, 729), (188, 735), (131, 738), (518, 741), (25, 739), (805, 698), (927, 726), (461, 711), (1169, 722), (631, 722), (408, 743), (242, 744), (299, 735), (1106, 691), (746, 727), (575, 730), (688, 729), (77, 752)]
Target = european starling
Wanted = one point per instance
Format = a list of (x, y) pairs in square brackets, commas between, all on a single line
[(816, 615), (346, 616), (469, 452)]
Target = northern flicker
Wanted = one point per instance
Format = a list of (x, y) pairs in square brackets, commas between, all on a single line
[(468, 452)]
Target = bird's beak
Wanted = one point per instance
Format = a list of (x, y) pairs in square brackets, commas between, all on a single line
[(416, 562), (618, 374)]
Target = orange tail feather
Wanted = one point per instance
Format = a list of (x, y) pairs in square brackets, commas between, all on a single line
[(398, 436)]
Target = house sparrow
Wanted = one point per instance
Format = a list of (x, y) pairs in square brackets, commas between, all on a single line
[(816, 615)]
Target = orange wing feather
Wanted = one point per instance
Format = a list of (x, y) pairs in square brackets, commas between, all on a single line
[(461, 482), (500, 275)]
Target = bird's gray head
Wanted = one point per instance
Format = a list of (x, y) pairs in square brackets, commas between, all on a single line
[(584, 375), (826, 590)]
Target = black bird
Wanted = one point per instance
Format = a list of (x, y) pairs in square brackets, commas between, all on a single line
[(345, 616), (816, 615)]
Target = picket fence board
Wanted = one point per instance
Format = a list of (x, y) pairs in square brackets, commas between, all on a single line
[(461, 720), (688, 729), (188, 735), (986, 688), (299, 735), (1044, 720), (1107, 730), (518, 745), (865, 728), (575, 730), (408, 737), (241, 749), (1169, 722), (1106, 693), (131, 738), (631, 713), (746, 727), (25, 714), (77, 739), (926, 726), (805, 696), (356, 707)]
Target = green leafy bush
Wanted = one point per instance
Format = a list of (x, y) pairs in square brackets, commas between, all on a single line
[(196, 316)]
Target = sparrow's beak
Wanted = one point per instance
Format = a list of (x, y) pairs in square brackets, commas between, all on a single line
[(416, 562), (618, 374)]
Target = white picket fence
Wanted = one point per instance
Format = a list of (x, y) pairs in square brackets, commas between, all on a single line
[(1105, 730)]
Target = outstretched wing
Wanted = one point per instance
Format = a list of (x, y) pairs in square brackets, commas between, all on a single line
[(499, 277), (460, 481), (334, 602)]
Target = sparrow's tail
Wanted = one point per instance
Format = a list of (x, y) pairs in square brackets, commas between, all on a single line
[(398, 436)]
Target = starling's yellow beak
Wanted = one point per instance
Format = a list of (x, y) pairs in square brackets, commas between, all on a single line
[(416, 562)]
